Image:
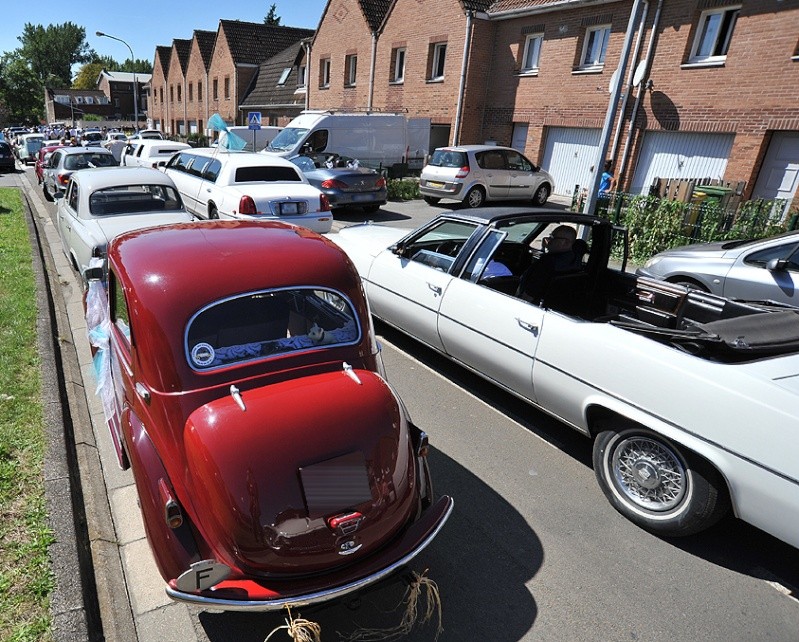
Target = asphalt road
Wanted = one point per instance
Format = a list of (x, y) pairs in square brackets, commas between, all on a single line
[(533, 551)]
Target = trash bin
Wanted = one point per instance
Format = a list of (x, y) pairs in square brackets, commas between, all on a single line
[(704, 197)]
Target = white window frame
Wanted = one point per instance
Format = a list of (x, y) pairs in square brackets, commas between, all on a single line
[(302, 73), (593, 55), (532, 52), (284, 76), (324, 80), (398, 75), (711, 38), (439, 61), (351, 70)]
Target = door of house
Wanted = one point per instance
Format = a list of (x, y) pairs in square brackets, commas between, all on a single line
[(519, 139), (779, 173), (569, 155)]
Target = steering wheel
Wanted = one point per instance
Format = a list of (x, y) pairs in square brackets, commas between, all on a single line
[(448, 248)]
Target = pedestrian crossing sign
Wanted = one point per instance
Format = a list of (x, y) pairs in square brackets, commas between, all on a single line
[(254, 119)]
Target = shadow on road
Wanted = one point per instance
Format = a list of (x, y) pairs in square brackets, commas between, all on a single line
[(481, 561), (357, 215)]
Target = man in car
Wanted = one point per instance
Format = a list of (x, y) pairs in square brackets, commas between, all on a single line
[(559, 256)]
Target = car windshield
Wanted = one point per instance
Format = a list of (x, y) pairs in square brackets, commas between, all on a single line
[(448, 158), (92, 159), (133, 199), (269, 323), (287, 139), (268, 173)]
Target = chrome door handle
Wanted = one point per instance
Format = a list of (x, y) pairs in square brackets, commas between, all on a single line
[(526, 325), (436, 290)]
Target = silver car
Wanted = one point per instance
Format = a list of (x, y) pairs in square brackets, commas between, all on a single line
[(474, 174), (754, 270)]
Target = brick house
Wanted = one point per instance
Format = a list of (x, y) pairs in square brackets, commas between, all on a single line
[(176, 86), (159, 92), (535, 74), (118, 86), (70, 105)]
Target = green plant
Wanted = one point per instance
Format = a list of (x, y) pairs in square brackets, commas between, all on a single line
[(197, 140), (92, 117), (403, 189), (25, 577)]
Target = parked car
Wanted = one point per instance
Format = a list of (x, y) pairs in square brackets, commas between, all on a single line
[(42, 158), (475, 174), (150, 152), (153, 134), (216, 183), (99, 204), (67, 160), (274, 464), (7, 163), (691, 398), (754, 269), (344, 182), (28, 146), (91, 137)]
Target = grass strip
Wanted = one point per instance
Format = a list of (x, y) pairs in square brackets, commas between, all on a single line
[(26, 580)]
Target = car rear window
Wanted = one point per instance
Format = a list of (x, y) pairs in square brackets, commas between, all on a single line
[(449, 158), (83, 161), (266, 173), (269, 323), (132, 199)]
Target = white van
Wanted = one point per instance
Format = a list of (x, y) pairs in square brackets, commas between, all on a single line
[(149, 152), (256, 139), (376, 140)]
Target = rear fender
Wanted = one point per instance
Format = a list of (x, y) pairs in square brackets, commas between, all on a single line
[(174, 549)]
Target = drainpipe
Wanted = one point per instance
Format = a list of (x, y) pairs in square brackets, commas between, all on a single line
[(622, 167), (467, 41), (372, 63), (629, 87), (307, 75), (613, 104), (207, 104)]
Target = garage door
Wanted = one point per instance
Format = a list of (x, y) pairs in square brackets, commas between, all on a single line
[(779, 174), (680, 155), (569, 155)]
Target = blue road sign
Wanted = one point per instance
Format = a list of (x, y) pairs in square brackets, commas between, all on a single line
[(254, 119)]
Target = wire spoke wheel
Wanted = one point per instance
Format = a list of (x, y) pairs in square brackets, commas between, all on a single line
[(649, 473)]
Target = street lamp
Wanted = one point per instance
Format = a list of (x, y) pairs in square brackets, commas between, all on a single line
[(100, 34)]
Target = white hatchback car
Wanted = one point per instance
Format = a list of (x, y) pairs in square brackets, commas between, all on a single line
[(150, 152), (216, 183), (101, 203), (474, 174)]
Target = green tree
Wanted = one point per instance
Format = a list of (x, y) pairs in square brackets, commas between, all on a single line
[(272, 18), (87, 75), (138, 66), (21, 92), (52, 51)]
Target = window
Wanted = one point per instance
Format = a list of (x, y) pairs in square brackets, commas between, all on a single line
[(191, 92), (64, 100), (161, 93), (398, 65), (284, 76), (119, 307), (713, 34), (89, 100), (301, 76), (200, 91), (227, 87), (78, 100), (532, 52), (216, 89), (324, 72), (351, 66), (438, 58), (180, 93), (439, 243), (116, 103), (171, 93), (594, 47)]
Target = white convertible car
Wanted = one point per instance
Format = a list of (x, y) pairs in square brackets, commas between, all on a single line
[(691, 399)]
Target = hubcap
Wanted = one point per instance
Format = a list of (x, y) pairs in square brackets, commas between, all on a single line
[(649, 474)]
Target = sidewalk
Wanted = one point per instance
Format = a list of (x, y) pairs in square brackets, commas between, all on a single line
[(133, 604)]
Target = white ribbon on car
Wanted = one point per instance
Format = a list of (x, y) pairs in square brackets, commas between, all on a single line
[(98, 328)]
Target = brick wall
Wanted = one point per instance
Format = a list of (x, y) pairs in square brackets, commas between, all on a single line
[(221, 67)]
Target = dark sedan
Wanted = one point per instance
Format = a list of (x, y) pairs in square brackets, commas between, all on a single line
[(344, 182), (6, 157)]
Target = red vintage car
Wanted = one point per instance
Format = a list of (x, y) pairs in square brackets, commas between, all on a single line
[(42, 156), (244, 386)]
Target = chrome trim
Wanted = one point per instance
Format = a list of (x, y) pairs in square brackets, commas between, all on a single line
[(311, 598)]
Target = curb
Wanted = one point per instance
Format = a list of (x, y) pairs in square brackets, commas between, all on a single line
[(90, 600)]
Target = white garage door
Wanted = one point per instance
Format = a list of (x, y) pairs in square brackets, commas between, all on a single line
[(680, 155), (779, 174), (569, 155)]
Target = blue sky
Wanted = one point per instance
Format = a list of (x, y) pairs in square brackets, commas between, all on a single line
[(148, 23)]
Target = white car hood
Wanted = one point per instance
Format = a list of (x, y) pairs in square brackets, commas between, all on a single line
[(368, 238), (112, 226)]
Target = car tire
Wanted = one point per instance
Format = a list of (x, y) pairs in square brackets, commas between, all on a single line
[(213, 213), (656, 485), (47, 196), (431, 200), (475, 197), (541, 194)]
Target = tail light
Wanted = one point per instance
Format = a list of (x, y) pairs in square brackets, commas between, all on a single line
[(172, 513), (247, 206), (463, 172), (380, 183), (63, 179), (332, 183), (324, 203)]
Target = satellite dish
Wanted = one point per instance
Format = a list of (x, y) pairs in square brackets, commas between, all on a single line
[(640, 70), (614, 79)]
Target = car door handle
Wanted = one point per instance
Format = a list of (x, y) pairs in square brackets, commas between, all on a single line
[(436, 290), (526, 325)]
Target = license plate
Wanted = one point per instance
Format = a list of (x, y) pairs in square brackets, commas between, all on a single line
[(434, 184), (288, 209), (362, 197), (335, 485)]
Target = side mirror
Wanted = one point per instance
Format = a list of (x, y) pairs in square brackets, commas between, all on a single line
[(58, 196), (777, 265), (93, 274), (398, 249)]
